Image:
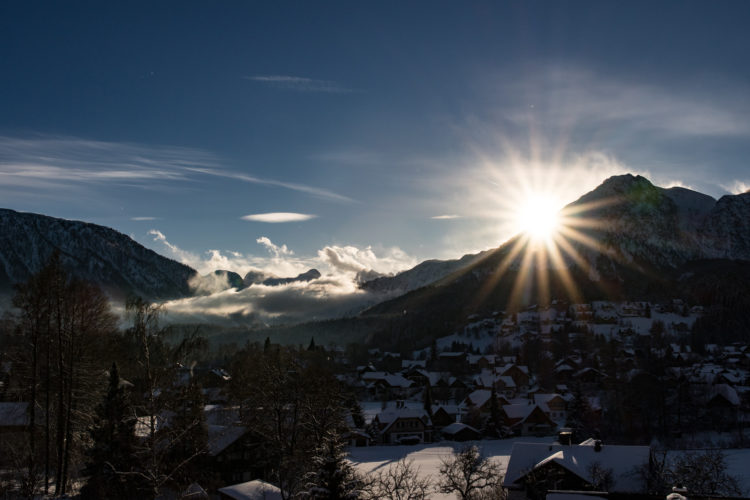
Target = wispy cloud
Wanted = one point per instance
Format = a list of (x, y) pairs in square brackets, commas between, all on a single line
[(50, 162), (144, 218), (569, 97), (300, 84), (446, 217), (278, 217)]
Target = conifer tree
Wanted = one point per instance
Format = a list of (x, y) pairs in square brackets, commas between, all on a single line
[(494, 425), (332, 478)]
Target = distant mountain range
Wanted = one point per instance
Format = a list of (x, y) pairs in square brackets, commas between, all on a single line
[(629, 239)]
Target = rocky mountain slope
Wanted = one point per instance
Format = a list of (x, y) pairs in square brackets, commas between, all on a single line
[(90, 252)]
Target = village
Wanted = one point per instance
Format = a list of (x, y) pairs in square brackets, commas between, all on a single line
[(621, 379)]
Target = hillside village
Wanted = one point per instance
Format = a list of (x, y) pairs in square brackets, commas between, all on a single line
[(629, 374)]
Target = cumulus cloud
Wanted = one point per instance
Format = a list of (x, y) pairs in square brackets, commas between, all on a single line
[(275, 250), (737, 187), (277, 217), (335, 293)]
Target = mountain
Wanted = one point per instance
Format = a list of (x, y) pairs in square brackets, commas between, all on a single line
[(88, 251), (420, 275), (628, 239), (310, 275)]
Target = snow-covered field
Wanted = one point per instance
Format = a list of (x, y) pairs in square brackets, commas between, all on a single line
[(427, 457)]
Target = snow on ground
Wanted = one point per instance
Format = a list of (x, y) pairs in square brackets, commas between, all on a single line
[(642, 325), (427, 457)]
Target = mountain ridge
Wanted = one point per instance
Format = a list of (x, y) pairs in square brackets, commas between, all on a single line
[(89, 251)]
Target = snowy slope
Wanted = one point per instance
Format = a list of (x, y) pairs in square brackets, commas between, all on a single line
[(90, 252)]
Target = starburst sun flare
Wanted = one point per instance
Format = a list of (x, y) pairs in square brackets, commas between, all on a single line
[(538, 217)]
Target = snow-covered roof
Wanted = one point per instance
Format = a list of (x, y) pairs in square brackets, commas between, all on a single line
[(479, 397), (222, 436), (252, 490), (622, 460), (518, 411), (457, 427), (390, 415), (725, 391)]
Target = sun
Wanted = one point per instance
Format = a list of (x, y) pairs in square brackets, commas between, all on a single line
[(538, 217)]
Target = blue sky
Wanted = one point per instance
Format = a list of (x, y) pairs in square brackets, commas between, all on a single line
[(395, 131)]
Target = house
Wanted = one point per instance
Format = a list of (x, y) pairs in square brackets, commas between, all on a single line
[(402, 425), (236, 453), (458, 431), (444, 415), (519, 374), (481, 400), (527, 420), (535, 468), (554, 405)]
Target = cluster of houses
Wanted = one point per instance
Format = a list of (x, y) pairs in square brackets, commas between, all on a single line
[(458, 406)]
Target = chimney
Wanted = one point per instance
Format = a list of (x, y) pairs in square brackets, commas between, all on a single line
[(565, 436), (598, 445)]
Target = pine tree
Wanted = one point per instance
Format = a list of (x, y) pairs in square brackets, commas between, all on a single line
[(427, 402), (112, 457), (494, 425), (579, 418), (311, 347), (333, 477)]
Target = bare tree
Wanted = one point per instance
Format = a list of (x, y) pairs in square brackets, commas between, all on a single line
[(703, 474), (62, 323), (164, 431), (400, 481), (602, 478), (469, 475)]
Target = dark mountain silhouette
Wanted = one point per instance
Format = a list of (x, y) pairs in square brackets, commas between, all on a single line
[(88, 251)]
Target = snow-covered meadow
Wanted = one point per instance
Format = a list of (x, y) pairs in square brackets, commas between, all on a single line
[(427, 458)]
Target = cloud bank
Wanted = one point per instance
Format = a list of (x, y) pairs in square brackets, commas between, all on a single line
[(334, 293)]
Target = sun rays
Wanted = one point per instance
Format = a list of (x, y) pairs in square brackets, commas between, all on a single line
[(555, 246)]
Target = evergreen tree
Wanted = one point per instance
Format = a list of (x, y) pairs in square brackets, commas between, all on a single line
[(112, 456), (427, 402), (580, 416), (311, 347), (333, 478), (494, 424), (267, 345)]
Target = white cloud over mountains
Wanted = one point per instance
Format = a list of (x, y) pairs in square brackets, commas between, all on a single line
[(334, 293)]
